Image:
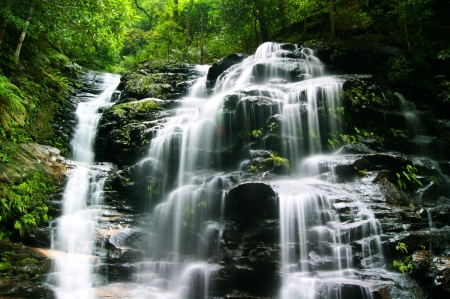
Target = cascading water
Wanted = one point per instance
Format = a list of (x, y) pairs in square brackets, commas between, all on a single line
[(291, 93), (74, 235)]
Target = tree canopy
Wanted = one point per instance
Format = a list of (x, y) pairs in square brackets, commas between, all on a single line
[(42, 38)]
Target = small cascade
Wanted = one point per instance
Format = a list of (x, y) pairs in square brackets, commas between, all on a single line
[(420, 143), (317, 246), (74, 232)]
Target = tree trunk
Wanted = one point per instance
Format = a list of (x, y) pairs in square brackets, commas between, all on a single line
[(282, 6), (150, 17), (403, 26), (262, 22), (305, 24), (3, 22), (255, 29), (24, 32), (175, 11), (191, 4), (332, 33), (201, 35)]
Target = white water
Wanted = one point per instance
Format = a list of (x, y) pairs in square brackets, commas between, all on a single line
[(73, 276), (180, 256)]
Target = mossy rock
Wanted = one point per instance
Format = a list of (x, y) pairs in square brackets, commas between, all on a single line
[(19, 160)]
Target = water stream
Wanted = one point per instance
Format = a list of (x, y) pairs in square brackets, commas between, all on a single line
[(73, 236)]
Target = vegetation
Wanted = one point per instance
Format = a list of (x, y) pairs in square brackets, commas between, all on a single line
[(405, 265), (23, 206)]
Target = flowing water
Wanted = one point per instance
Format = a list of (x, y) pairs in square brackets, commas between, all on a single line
[(74, 232), (188, 226)]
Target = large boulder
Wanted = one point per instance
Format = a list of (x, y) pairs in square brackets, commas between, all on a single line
[(222, 65)]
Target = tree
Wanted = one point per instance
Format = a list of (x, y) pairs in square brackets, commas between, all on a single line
[(24, 31), (332, 32)]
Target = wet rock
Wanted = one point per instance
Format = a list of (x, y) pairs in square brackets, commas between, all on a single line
[(125, 130), (141, 183), (223, 64), (284, 68), (150, 79), (393, 194), (358, 148), (253, 112), (423, 268), (250, 255), (23, 272)]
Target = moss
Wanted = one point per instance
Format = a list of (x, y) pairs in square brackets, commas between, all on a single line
[(20, 263), (131, 108), (28, 174)]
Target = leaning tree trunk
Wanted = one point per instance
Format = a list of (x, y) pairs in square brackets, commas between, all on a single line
[(332, 31), (24, 32), (3, 22), (149, 16)]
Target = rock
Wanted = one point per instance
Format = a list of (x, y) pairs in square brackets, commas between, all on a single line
[(151, 79), (253, 112), (223, 64), (423, 268), (393, 194), (23, 272)]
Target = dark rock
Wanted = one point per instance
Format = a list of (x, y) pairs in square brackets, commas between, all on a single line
[(253, 112), (223, 64), (393, 194)]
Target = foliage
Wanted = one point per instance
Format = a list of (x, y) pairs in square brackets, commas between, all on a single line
[(405, 265), (402, 134), (408, 177), (360, 94), (23, 206), (360, 134), (278, 161), (12, 104)]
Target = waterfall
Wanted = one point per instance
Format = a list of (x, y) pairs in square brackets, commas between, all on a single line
[(291, 91), (74, 233)]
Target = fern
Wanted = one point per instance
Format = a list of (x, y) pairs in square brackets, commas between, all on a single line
[(12, 104)]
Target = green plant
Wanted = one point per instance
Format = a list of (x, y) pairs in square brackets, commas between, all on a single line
[(188, 211), (359, 95), (278, 161), (410, 174), (23, 206), (403, 134), (404, 265), (361, 172), (12, 104), (257, 133)]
